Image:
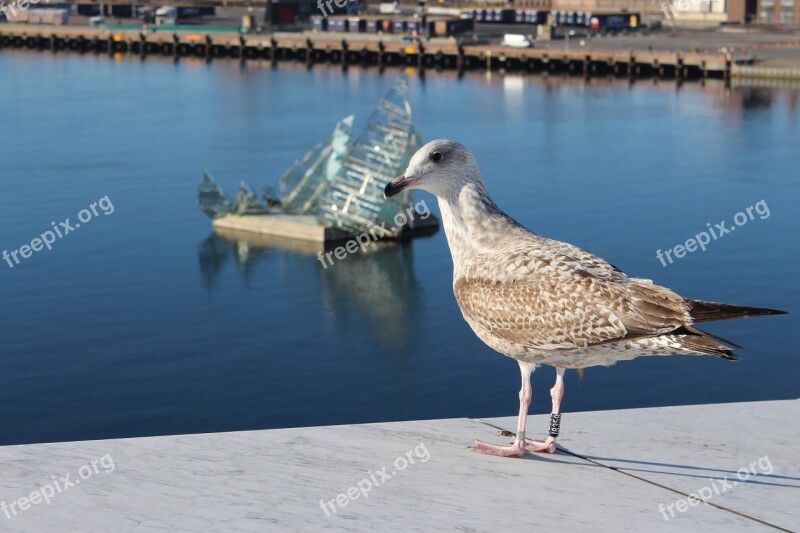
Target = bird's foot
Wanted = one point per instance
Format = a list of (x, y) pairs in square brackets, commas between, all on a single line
[(516, 449), (548, 446), (531, 445)]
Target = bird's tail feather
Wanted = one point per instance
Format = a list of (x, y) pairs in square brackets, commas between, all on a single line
[(707, 311), (695, 331), (704, 343)]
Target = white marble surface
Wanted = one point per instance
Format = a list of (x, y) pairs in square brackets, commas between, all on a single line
[(274, 480)]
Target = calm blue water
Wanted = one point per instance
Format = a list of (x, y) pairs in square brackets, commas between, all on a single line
[(142, 322)]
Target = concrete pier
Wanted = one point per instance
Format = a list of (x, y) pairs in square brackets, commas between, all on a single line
[(346, 49), (695, 468)]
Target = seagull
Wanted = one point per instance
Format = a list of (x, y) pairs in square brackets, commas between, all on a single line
[(543, 301)]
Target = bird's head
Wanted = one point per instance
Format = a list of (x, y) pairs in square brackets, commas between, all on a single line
[(441, 167)]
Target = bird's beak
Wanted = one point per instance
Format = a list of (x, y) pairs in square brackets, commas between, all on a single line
[(396, 186)]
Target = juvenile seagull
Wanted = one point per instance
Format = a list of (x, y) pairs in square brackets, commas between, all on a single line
[(542, 301)]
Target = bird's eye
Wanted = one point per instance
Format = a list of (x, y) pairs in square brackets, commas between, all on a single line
[(436, 156)]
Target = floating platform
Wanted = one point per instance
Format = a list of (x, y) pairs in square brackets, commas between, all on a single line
[(302, 227), (264, 240), (308, 228), (615, 471)]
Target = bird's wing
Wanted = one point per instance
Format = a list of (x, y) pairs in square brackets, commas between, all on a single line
[(563, 253), (550, 300), (508, 238)]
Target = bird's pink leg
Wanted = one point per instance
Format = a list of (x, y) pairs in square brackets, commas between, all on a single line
[(517, 448), (556, 393)]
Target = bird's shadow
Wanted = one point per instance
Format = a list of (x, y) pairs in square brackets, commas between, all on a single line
[(602, 462), (717, 473)]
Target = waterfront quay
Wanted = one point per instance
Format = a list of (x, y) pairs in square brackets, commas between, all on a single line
[(724, 467), (355, 49)]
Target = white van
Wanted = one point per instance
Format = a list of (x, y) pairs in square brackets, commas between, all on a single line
[(513, 40), (166, 16)]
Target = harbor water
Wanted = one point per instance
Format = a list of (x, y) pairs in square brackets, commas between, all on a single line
[(141, 321)]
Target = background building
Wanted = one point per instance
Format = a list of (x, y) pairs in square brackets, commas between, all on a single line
[(779, 11)]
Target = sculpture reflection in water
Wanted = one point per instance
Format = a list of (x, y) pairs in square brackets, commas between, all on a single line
[(367, 290)]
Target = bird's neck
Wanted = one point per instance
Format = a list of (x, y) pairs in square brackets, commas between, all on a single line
[(473, 224)]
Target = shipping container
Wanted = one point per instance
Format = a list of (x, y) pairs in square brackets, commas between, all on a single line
[(54, 17), (88, 10), (337, 24), (449, 27), (121, 11), (319, 23), (356, 24)]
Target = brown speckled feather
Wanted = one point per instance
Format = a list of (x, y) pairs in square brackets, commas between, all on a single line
[(567, 310)]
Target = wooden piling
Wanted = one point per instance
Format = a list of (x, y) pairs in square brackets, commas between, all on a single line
[(631, 64)]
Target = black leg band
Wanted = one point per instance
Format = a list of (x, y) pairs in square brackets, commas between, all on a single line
[(555, 424)]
